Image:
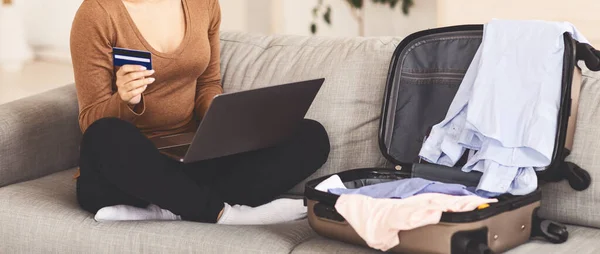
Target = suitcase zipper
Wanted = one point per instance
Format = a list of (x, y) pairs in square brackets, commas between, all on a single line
[(433, 75)]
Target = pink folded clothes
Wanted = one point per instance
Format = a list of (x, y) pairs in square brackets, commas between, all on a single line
[(378, 221)]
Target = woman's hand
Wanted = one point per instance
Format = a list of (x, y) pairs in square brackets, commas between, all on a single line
[(132, 82)]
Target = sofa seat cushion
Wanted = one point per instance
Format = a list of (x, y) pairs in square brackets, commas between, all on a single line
[(42, 216), (582, 240), (322, 245)]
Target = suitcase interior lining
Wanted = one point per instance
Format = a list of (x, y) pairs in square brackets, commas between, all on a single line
[(425, 74), (430, 72)]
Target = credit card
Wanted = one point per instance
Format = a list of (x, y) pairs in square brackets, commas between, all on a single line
[(122, 56)]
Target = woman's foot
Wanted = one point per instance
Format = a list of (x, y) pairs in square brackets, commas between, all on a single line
[(132, 213), (277, 211)]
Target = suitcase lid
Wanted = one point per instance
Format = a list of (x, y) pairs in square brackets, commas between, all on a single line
[(424, 75)]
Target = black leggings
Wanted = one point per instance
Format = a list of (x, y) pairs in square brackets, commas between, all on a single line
[(119, 165)]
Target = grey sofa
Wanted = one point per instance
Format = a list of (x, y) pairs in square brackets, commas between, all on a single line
[(39, 152)]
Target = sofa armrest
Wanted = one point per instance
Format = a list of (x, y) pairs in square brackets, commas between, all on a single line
[(39, 135)]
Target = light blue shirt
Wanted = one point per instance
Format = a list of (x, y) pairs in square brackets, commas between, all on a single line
[(507, 107), (406, 188)]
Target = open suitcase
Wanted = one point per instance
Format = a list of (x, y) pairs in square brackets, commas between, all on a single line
[(425, 73)]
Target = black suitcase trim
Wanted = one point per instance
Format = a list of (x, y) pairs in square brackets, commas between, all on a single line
[(506, 202)]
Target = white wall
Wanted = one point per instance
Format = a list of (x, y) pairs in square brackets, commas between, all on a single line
[(296, 17), (259, 15), (380, 20), (234, 15), (584, 14), (48, 23)]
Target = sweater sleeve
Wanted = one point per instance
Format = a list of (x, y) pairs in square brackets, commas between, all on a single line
[(91, 47), (209, 83)]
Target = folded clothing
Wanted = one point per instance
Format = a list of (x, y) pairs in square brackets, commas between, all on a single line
[(378, 221), (397, 189)]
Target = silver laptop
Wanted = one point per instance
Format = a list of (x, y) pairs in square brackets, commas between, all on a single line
[(244, 121)]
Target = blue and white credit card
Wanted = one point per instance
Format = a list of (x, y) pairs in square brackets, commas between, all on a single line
[(122, 56)]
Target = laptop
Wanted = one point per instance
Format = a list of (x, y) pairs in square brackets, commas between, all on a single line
[(243, 121)]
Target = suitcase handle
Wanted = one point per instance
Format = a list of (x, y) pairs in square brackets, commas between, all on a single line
[(589, 55)]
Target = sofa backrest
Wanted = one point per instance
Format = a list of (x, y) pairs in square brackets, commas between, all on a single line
[(559, 201), (348, 104)]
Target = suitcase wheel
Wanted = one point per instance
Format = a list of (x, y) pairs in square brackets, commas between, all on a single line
[(556, 232), (578, 178), (480, 248), (553, 232), (473, 242)]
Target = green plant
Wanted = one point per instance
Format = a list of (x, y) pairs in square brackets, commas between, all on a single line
[(356, 6)]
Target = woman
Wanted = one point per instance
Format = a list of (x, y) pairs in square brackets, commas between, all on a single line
[(122, 175)]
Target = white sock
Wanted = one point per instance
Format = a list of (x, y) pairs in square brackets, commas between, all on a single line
[(277, 211), (333, 182), (131, 213)]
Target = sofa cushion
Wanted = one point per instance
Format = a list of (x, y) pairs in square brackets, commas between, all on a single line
[(559, 201), (39, 135), (42, 216), (348, 104), (582, 240), (319, 245)]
